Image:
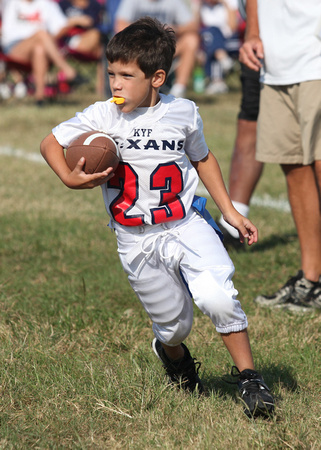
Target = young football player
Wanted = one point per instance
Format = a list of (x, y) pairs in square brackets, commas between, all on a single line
[(169, 251)]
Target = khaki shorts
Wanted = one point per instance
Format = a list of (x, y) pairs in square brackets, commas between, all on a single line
[(289, 123)]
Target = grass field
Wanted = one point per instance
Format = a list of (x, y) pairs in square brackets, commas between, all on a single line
[(77, 370)]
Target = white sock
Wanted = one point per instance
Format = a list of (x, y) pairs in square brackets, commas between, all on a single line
[(242, 209)]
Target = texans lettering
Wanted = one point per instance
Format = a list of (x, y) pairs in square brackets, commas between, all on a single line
[(153, 144)]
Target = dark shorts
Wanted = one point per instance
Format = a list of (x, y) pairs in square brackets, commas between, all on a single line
[(249, 109)]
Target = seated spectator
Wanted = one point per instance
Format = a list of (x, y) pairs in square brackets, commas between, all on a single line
[(177, 15), (29, 32), (85, 17), (219, 33), (83, 34)]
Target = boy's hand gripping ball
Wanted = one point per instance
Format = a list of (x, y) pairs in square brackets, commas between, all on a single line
[(99, 150)]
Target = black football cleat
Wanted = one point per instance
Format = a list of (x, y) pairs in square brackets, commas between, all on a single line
[(254, 393), (183, 372)]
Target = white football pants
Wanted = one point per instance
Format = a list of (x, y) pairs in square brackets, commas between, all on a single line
[(167, 264)]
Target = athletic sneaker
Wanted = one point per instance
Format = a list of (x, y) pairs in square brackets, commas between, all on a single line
[(5, 91), (184, 372), (310, 303), (254, 393), (20, 90), (314, 298), (295, 291)]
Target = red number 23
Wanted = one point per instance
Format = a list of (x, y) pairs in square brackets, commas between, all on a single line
[(166, 178)]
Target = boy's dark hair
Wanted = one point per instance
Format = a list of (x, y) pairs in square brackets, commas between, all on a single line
[(147, 42)]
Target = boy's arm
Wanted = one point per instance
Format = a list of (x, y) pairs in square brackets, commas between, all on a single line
[(211, 176), (54, 154)]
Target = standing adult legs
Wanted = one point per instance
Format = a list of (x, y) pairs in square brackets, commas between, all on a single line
[(304, 198), (245, 170)]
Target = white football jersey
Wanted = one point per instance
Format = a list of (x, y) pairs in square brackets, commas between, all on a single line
[(155, 181)]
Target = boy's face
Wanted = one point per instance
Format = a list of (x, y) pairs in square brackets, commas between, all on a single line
[(129, 81)]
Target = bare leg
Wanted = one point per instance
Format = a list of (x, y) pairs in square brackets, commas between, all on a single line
[(317, 169), (187, 46), (24, 51), (40, 68), (173, 353), (90, 43), (238, 345), (245, 171), (304, 199)]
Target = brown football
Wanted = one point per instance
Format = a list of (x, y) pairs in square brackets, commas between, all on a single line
[(99, 150)]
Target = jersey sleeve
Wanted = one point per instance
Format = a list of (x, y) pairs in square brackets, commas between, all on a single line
[(195, 145), (96, 117)]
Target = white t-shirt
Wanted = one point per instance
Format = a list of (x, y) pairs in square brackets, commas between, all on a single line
[(21, 19), (155, 181), (171, 12), (289, 32), (217, 16)]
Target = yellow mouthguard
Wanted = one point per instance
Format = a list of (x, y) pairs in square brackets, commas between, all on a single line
[(118, 100)]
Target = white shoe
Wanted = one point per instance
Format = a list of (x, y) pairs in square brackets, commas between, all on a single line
[(216, 87), (178, 90), (20, 90), (5, 91)]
